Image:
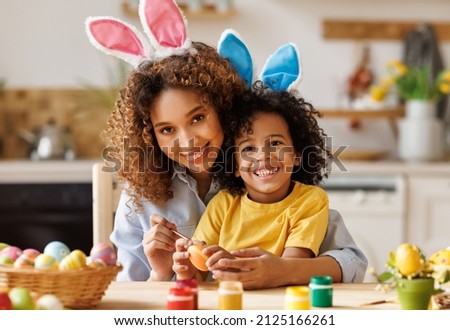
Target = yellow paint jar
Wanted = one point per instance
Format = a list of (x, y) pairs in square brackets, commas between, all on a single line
[(296, 298), (230, 295)]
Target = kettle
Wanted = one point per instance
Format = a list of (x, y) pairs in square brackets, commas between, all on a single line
[(50, 142)]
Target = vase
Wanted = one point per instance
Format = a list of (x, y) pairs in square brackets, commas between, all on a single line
[(415, 293), (421, 133)]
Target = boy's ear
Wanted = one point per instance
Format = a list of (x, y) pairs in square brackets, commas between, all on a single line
[(237, 173)]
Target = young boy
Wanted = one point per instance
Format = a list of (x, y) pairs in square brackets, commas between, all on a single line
[(270, 199)]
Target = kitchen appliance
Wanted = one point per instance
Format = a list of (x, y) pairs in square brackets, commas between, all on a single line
[(374, 211), (50, 142), (34, 214), (43, 201)]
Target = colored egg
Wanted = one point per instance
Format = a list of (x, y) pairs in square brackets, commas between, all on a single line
[(21, 298), (57, 250), (31, 253), (24, 261), (3, 245), (49, 302), (97, 264), (45, 261), (5, 260), (75, 260), (105, 252), (11, 251), (197, 257), (5, 302)]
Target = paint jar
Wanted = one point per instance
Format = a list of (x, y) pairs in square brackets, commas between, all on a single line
[(180, 298), (193, 285), (321, 289), (230, 295), (296, 298)]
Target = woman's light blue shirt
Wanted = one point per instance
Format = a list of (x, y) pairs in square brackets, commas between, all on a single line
[(184, 210)]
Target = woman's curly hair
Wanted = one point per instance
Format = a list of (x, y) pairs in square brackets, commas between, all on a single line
[(308, 138), (131, 143)]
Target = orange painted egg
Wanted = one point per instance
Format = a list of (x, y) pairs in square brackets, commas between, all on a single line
[(197, 257), (31, 253), (24, 261), (75, 260)]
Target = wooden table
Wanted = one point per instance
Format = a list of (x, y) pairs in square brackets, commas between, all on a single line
[(152, 295)]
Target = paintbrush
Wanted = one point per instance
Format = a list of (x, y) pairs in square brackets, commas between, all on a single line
[(377, 302), (180, 234)]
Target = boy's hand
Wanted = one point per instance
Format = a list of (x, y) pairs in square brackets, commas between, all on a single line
[(216, 253)]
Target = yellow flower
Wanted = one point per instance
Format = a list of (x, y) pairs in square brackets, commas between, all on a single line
[(414, 82), (446, 76), (378, 93), (387, 82), (397, 68), (444, 87)]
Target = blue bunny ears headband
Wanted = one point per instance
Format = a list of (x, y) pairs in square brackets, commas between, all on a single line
[(166, 29), (281, 72)]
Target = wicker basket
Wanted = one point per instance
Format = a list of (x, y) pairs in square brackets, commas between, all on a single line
[(77, 289)]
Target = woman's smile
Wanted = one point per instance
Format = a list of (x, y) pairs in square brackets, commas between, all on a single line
[(187, 128)]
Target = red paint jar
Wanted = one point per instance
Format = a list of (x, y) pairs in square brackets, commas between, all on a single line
[(193, 284), (180, 298)]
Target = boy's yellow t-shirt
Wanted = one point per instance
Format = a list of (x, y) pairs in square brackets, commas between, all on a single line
[(236, 222)]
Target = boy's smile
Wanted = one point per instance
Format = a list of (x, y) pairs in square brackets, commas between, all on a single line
[(266, 158)]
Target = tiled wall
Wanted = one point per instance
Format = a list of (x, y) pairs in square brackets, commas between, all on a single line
[(24, 110)]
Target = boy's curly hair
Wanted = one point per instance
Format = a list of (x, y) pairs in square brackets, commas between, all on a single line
[(308, 138), (131, 143)]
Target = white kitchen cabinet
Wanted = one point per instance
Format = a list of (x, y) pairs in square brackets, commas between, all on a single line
[(428, 215), (373, 209)]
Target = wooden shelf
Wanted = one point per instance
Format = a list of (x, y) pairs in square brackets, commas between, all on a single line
[(209, 11), (393, 113), (378, 30), (389, 114)]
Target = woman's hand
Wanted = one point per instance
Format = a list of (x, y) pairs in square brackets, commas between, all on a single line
[(182, 266), (159, 245), (254, 267)]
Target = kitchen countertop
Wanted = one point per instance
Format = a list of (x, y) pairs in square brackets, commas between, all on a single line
[(390, 167), (54, 171), (48, 171), (153, 295)]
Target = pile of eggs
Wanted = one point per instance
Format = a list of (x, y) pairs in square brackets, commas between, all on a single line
[(57, 255), (20, 298)]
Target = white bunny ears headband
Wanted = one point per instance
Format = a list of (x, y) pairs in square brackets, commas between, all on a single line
[(281, 72), (166, 29), (163, 23)]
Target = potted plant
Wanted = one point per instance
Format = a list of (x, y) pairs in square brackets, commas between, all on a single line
[(411, 83), (415, 277), (421, 133)]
